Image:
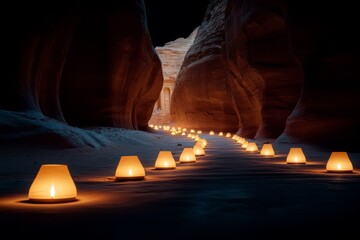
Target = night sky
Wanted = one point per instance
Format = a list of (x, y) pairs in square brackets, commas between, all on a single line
[(168, 20)]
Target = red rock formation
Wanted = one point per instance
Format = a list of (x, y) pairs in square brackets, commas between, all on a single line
[(113, 75), (201, 98), (324, 40), (242, 59), (88, 64), (265, 78)]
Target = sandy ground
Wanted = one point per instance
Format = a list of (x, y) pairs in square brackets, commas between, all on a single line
[(226, 194)]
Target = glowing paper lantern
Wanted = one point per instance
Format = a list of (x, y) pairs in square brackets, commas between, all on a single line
[(211, 133), (173, 133), (53, 184), (129, 168), (151, 125), (203, 140), (221, 133), (296, 156), (199, 132), (165, 160), (241, 140), (200, 143), (187, 156), (245, 144), (228, 135), (251, 147), (192, 130), (156, 127), (339, 162), (198, 150), (267, 150), (183, 133)]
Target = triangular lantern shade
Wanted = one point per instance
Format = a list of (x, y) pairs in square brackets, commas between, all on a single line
[(228, 135), (53, 184), (221, 133), (267, 150), (187, 156), (198, 150), (165, 160), (245, 144), (251, 147), (129, 168), (339, 162), (296, 156), (211, 133)]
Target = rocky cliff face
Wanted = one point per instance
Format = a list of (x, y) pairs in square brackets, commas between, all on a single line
[(201, 98), (82, 64), (270, 69), (172, 55)]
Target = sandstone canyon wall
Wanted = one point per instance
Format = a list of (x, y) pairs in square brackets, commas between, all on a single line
[(273, 69), (201, 99), (82, 64), (323, 39), (172, 57)]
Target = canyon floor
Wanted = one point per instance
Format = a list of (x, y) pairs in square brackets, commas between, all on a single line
[(226, 194)]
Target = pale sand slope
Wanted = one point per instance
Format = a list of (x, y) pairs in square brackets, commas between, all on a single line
[(226, 194)]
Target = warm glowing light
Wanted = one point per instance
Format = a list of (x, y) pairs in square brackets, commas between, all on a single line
[(156, 127), (173, 133), (228, 135), (267, 150), (184, 129), (199, 132), (165, 160), (296, 155), (211, 133), (192, 130), (52, 191), (339, 162), (151, 125), (53, 183), (221, 133), (187, 156), (183, 133), (198, 150), (245, 144), (251, 147), (241, 140), (129, 168)]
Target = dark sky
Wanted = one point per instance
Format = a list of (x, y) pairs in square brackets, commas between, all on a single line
[(169, 20)]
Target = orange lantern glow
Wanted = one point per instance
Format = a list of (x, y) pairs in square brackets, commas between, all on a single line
[(192, 130), (187, 156), (200, 143), (339, 162), (241, 140), (53, 184), (165, 160), (296, 156), (183, 133), (198, 150), (245, 144), (129, 168), (211, 133), (267, 150), (251, 147), (228, 135), (221, 133), (199, 132)]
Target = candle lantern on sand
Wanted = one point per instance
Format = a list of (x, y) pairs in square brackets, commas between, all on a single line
[(267, 150), (53, 184), (296, 156), (165, 160), (187, 156), (339, 162), (129, 168)]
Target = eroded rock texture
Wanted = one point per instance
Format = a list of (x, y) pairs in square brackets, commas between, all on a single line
[(252, 81), (201, 98), (324, 40), (113, 75), (84, 64)]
